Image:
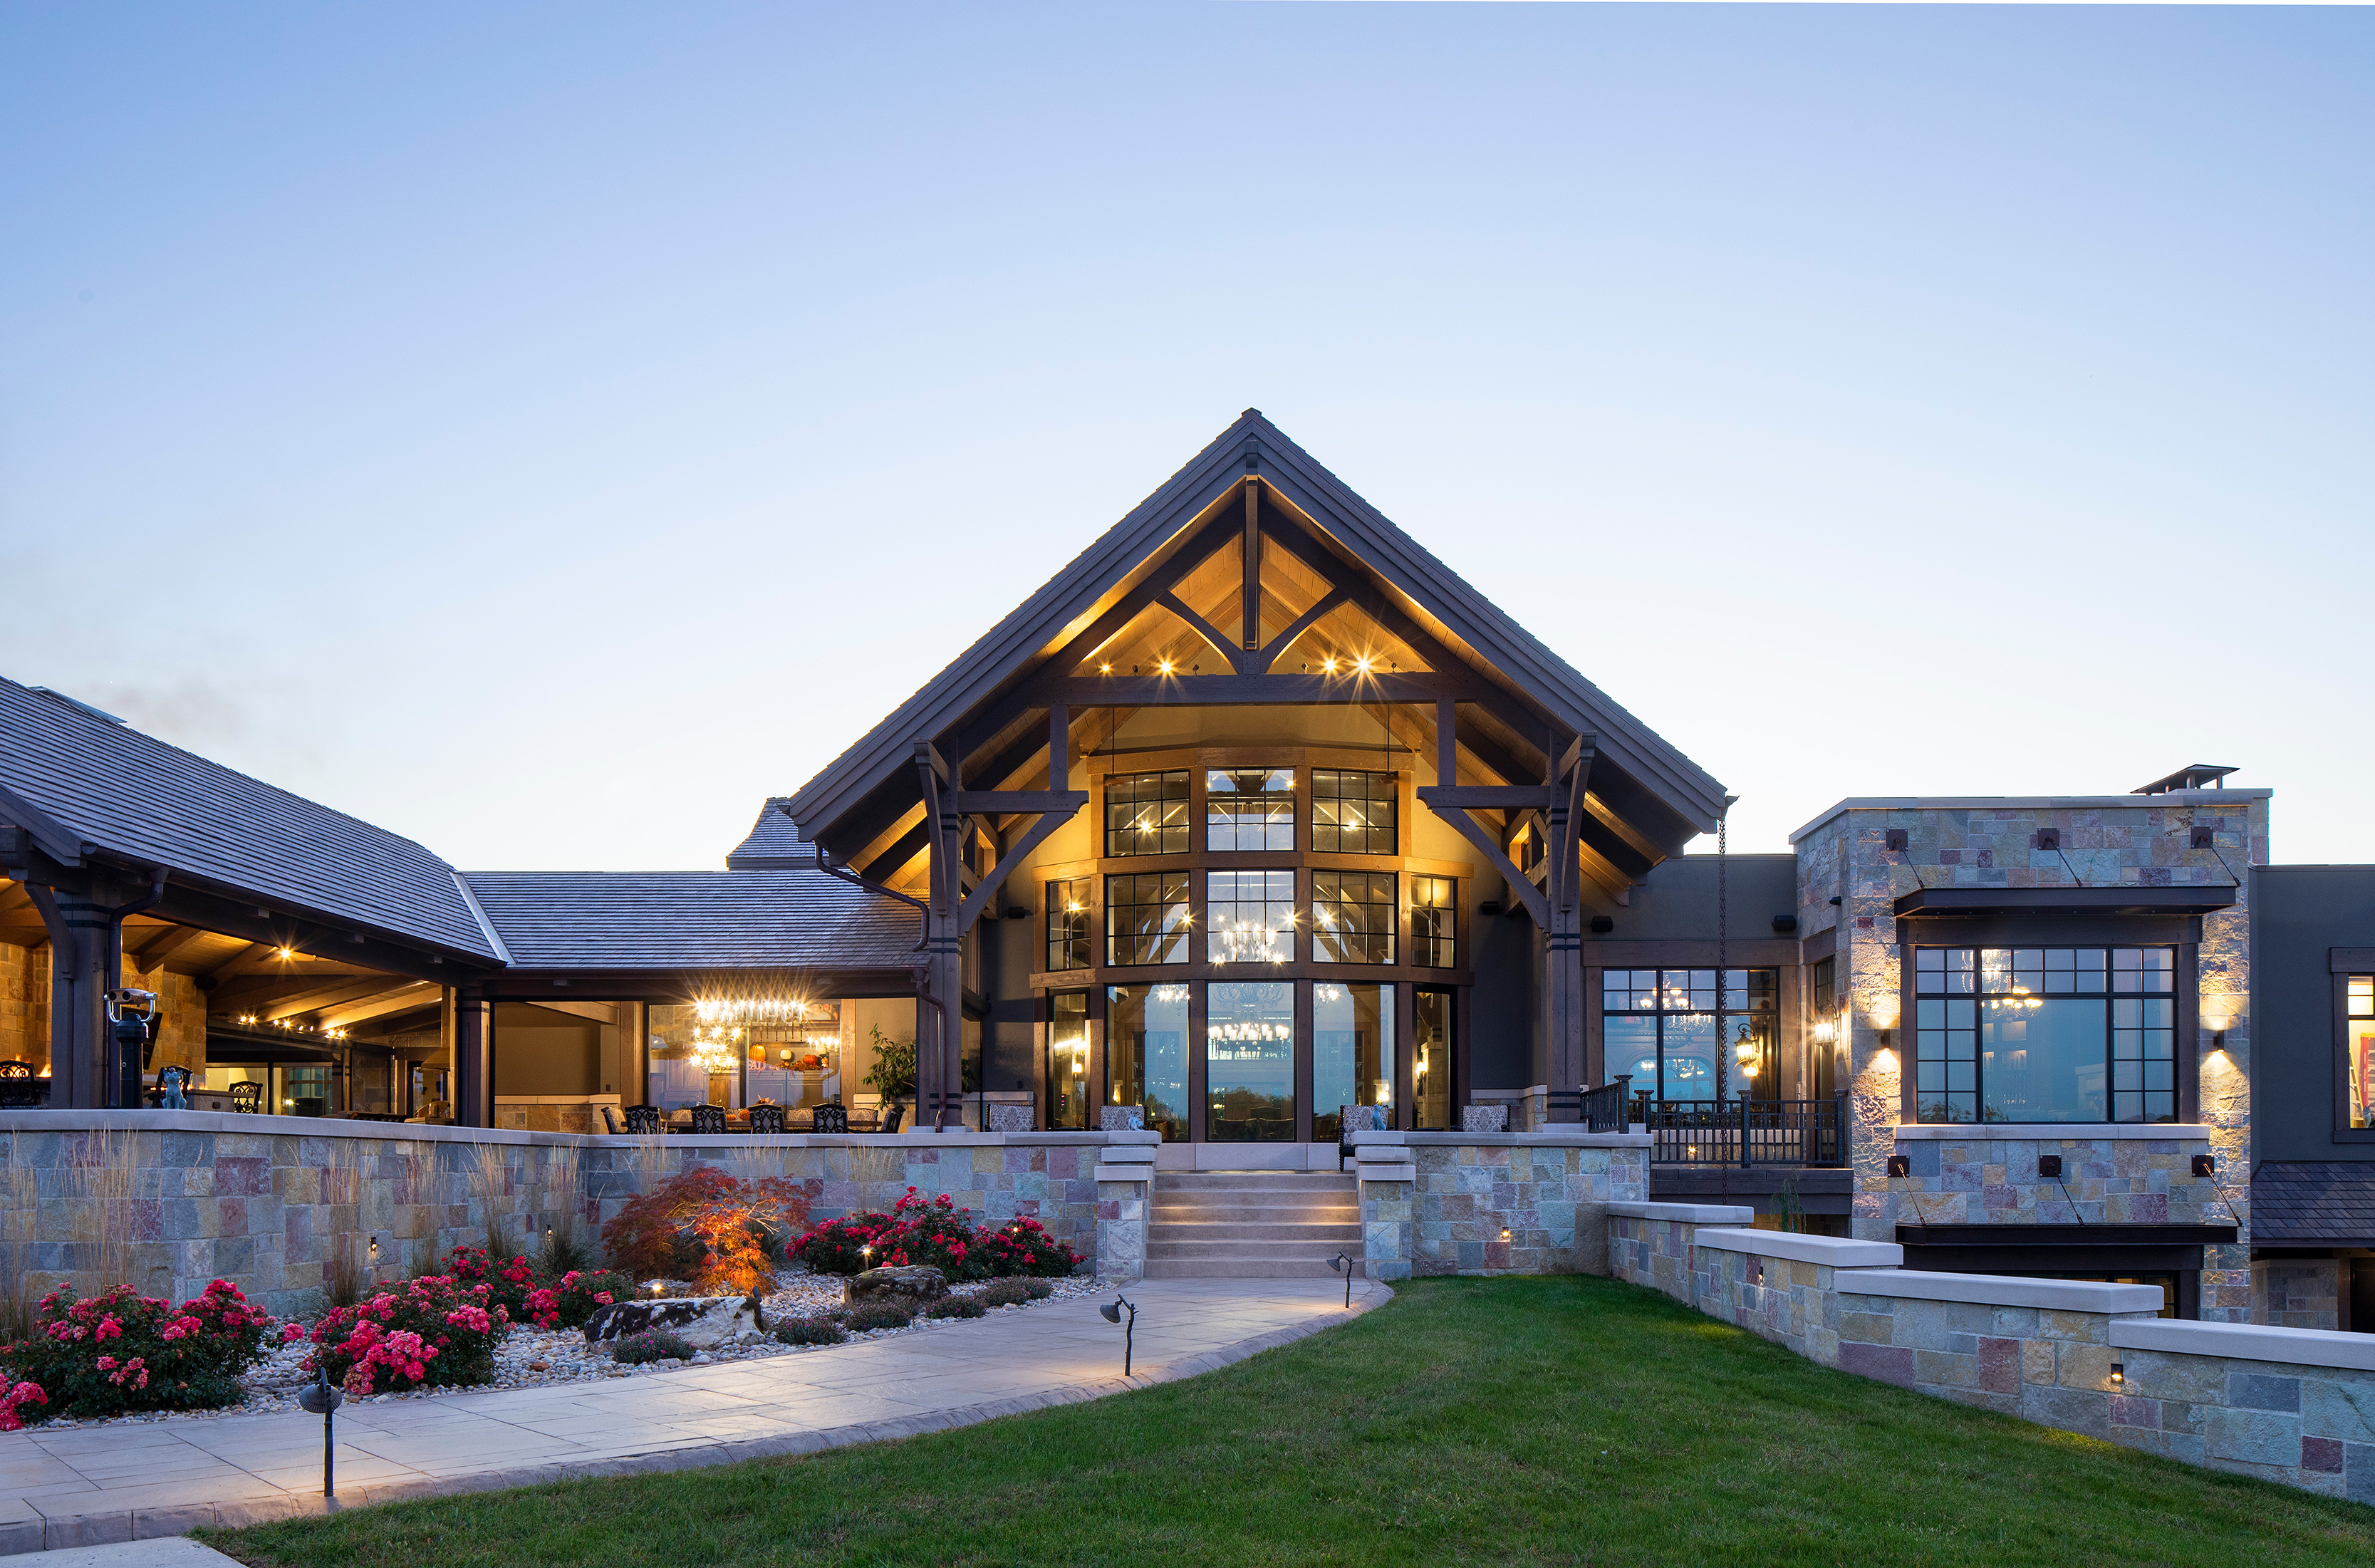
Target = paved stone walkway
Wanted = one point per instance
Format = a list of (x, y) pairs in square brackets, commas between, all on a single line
[(91, 1485)]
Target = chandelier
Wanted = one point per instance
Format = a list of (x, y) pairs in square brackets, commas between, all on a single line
[(717, 1047), (1247, 939), (1252, 1031)]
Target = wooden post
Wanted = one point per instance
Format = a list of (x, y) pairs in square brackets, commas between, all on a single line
[(1249, 628)]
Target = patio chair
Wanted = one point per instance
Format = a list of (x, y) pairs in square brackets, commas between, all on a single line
[(708, 1121), (610, 1121), (643, 1119), (1351, 1119), (766, 1119), (894, 1117), (247, 1098), (830, 1119)]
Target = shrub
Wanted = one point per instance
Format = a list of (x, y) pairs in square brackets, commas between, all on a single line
[(651, 1345), (837, 1245), (1014, 1293), (437, 1331), (956, 1306), (1022, 1245), (510, 1281), (580, 1293), (810, 1331), (122, 1351), (872, 1315), (726, 1235)]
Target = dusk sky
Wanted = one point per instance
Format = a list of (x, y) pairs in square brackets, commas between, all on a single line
[(546, 431)]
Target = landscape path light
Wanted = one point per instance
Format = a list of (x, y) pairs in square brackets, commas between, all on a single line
[(1111, 1312), (1343, 1265), (319, 1400)]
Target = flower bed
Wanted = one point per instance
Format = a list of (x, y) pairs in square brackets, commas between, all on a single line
[(934, 1232), (121, 1351), (437, 1330)]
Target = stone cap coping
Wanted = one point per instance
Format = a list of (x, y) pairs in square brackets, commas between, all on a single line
[(1996, 1289), (1130, 1153), (2247, 1341), (67, 1121), (1373, 1173), (1838, 1251), (1685, 1213), (2050, 1132), (1125, 1172), (1555, 1137), (2240, 797)]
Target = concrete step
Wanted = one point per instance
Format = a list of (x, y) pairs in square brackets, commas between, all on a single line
[(1240, 1268), (1237, 1247), (1254, 1214), (1252, 1181), (1282, 1231)]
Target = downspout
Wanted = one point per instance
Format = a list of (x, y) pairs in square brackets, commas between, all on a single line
[(128, 1073), (923, 940)]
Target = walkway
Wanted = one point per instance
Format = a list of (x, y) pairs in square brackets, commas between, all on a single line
[(84, 1486)]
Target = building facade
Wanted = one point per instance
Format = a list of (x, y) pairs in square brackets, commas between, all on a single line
[(1254, 824)]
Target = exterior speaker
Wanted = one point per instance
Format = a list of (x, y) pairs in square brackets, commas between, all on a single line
[(1601, 924), (2049, 1165), (2205, 838), (1898, 1165), (1896, 841), (1785, 923), (2048, 838), (2205, 1165)]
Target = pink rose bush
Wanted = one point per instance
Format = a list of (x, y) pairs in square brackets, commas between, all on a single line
[(120, 1351), (437, 1331), (937, 1232)]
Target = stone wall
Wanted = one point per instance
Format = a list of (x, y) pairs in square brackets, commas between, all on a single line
[(169, 1200), (2105, 841), (2104, 1181), (2289, 1405), (1484, 1203), (2297, 1293)]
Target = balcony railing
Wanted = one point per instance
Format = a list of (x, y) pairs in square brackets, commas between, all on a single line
[(1744, 1132)]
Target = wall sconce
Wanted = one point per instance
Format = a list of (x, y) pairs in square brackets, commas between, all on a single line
[(1899, 1165), (2119, 1375), (374, 1252), (1505, 1233), (2217, 1040), (1895, 840)]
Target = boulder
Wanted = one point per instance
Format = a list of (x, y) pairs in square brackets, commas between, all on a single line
[(914, 1285), (703, 1322)]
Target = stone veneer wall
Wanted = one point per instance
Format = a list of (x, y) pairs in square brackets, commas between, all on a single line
[(169, 1200), (1980, 844), (2110, 1181), (1437, 1203), (2289, 1405), (2297, 1293)]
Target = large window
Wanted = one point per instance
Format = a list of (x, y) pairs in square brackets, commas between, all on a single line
[(1068, 923), (1434, 921), (732, 1055), (1146, 1053), (1146, 814), (1353, 917), (1071, 1102), (1249, 1062), (2359, 1036), (2045, 1034), (1249, 916), (1146, 918), (1351, 1052), (1661, 1027), (1354, 813), (1249, 808), (1431, 1069)]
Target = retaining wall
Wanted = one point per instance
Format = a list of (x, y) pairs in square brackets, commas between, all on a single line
[(1494, 1203), (2290, 1405)]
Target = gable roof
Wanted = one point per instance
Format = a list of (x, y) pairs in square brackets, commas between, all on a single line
[(772, 844), (1504, 652), (132, 798), (625, 920), (2323, 1202)]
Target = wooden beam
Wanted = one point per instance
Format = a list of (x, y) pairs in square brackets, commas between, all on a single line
[(1250, 624), (1047, 823), (1221, 645), (321, 997), (1253, 690), (1447, 743), (1276, 648), (173, 939), (1474, 831), (1013, 802), (1059, 748), (418, 994), (1487, 798)]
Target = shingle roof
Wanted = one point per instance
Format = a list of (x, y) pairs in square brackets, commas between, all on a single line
[(693, 920), (135, 796), (2324, 1202), (773, 843)]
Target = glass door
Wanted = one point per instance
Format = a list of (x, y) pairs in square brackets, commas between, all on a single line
[(1249, 1062), (1146, 1055), (1352, 1054), (1431, 1063)]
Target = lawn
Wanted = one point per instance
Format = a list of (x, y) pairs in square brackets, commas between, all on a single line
[(1563, 1421)]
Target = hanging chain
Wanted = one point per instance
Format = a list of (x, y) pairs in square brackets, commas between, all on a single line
[(1722, 951)]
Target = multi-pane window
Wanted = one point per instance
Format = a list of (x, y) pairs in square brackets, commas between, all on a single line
[(1146, 918), (1146, 814), (2358, 1038), (1068, 923), (1071, 1100), (1661, 1029), (1249, 808), (1353, 917), (1249, 916), (2045, 1034), (1354, 813), (1434, 923)]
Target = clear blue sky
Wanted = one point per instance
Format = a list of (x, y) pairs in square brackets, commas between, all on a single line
[(547, 431)]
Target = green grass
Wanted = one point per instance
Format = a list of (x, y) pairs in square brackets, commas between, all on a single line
[(1563, 1421)]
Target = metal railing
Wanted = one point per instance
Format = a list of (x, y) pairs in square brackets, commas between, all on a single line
[(1744, 1132), (1599, 1110)]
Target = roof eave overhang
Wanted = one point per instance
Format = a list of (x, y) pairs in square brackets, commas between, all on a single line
[(1996, 903)]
